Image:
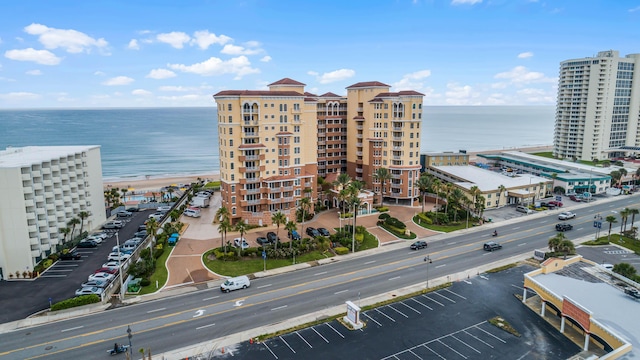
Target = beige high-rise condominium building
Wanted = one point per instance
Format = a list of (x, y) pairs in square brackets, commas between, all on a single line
[(598, 107), (275, 143)]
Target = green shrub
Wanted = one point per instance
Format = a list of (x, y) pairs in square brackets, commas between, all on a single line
[(395, 223), (383, 216), (145, 282), (158, 251), (424, 219), (359, 237), (341, 250), (76, 301), (382, 208)]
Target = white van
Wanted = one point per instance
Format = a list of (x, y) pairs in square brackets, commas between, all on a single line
[(235, 283), (192, 212)]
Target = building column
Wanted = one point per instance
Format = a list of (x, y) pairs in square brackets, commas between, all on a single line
[(562, 324), (543, 308), (586, 342), (524, 295)]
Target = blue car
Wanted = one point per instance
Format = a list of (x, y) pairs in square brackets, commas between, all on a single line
[(293, 235)]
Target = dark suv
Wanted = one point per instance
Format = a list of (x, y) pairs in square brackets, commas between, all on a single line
[(418, 245), (71, 255), (311, 231), (491, 246), (272, 237), (563, 227)]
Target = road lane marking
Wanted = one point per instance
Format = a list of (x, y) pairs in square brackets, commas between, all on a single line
[(340, 292), (278, 308), (73, 328), (515, 228), (303, 339), (290, 348), (316, 331), (439, 266), (263, 286), (369, 262), (522, 244), (320, 273), (152, 311), (204, 326), (394, 278), (210, 298)]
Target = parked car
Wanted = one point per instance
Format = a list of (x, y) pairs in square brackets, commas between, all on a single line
[(134, 241), (89, 291), (124, 214), (263, 240), (157, 216), (566, 215), (142, 227), (491, 246), (71, 255), (132, 209), (101, 276), (87, 244), (100, 234), (523, 209), (97, 239), (115, 256), (633, 292), (272, 237), (113, 224), (242, 243), (164, 208), (418, 245), (323, 232), (564, 227), (607, 266), (140, 234), (555, 203), (95, 283), (293, 235), (548, 205), (575, 198), (111, 264), (108, 270), (313, 232)]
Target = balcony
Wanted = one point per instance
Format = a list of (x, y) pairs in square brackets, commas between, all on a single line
[(321, 142), (397, 128), (396, 176), (359, 170), (287, 188), (252, 191), (397, 138), (359, 136), (250, 134), (250, 158), (358, 153), (275, 201), (321, 126), (359, 127)]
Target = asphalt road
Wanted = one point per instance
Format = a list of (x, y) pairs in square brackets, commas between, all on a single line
[(176, 322)]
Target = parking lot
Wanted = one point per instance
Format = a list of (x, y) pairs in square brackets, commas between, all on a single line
[(450, 323), (609, 254)]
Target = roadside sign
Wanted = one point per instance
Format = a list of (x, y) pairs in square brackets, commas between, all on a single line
[(264, 255), (597, 224), (558, 198)]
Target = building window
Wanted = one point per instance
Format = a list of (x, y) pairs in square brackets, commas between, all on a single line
[(233, 199), (230, 119), (228, 107)]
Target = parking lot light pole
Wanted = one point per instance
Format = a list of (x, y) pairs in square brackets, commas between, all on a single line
[(120, 268), (428, 261)]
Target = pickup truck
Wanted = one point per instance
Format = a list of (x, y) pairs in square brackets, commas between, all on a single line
[(632, 292)]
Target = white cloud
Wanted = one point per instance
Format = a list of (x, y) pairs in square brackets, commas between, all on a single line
[(266, 58), (181, 97), (174, 88), (520, 75), (535, 96), (161, 74), (141, 92), (461, 95), (204, 39), (412, 81), (525, 55), (176, 39), (133, 45), (71, 40), (34, 72), (499, 85), (118, 80), (333, 76), (99, 73), (231, 49), (19, 96), (240, 66), (465, 2), (637, 8), (44, 57)]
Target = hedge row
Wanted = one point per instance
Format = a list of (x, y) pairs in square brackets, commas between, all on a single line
[(75, 301)]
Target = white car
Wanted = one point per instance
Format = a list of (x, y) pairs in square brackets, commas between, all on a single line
[(566, 215), (102, 235), (111, 265), (116, 257), (89, 291), (101, 276), (242, 244), (113, 224), (164, 208), (97, 239)]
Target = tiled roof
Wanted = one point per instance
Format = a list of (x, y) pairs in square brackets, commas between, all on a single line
[(376, 100), (330, 94), (256, 93), (311, 99), (368, 84), (287, 81), (400, 93), (331, 177), (306, 93)]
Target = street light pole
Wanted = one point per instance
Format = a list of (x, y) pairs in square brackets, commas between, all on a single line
[(120, 268), (427, 260), (129, 335)]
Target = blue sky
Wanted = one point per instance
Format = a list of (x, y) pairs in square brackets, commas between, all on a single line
[(140, 53)]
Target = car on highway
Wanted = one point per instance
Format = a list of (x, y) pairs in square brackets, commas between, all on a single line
[(89, 291), (113, 224), (101, 276), (240, 282), (418, 245), (566, 215), (96, 283), (115, 256), (555, 203), (272, 237), (241, 243), (313, 232), (563, 227), (87, 244), (71, 255), (324, 232), (491, 246)]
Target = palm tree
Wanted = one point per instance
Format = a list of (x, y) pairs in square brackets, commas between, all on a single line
[(279, 219), (611, 220), (382, 175), (290, 226), (637, 175), (221, 214), (633, 212), (152, 229), (171, 190), (342, 181), (437, 187), (424, 183), (342, 197), (501, 190), (554, 242), (223, 228), (124, 193), (615, 176), (242, 228), (355, 202), (623, 172), (624, 269), (566, 246), (304, 203), (65, 231), (82, 215), (72, 223), (474, 191), (624, 214), (457, 197), (448, 188)]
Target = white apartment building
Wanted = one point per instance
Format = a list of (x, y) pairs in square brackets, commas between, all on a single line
[(42, 188), (598, 107)]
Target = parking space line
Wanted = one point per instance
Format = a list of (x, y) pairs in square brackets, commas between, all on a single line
[(428, 307), (52, 276), (488, 333), (452, 349), (477, 338), (338, 332), (456, 294), (435, 301), (268, 348), (398, 311), (517, 287), (303, 339), (414, 354), (402, 302), (54, 269), (467, 345), (385, 315), (372, 319), (323, 338), (286, 343), (430, 349), (438, 293)]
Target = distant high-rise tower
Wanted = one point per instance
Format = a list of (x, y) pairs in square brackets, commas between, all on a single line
[(598, 107)]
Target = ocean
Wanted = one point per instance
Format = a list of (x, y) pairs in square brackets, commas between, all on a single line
[(164, 142)]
